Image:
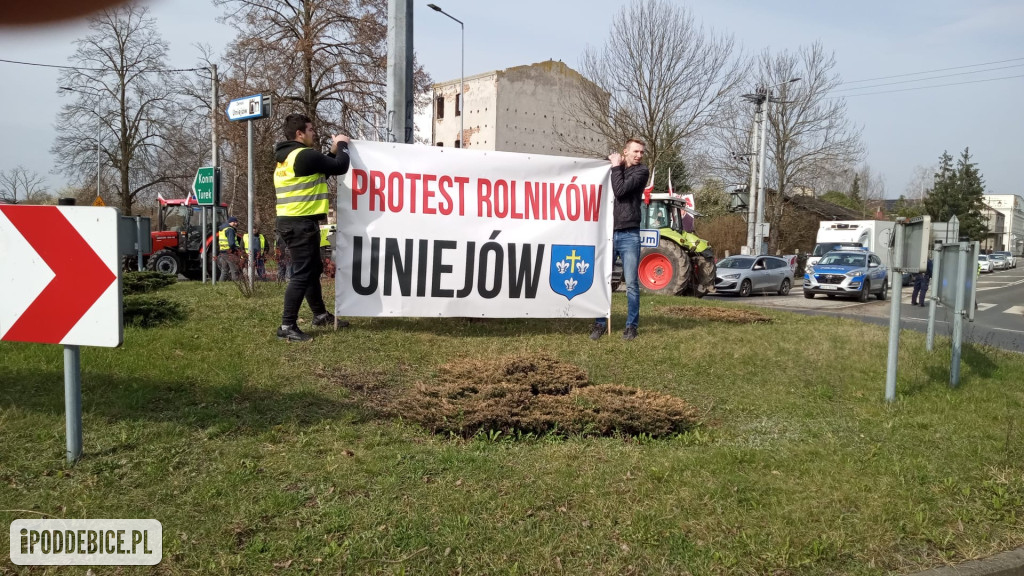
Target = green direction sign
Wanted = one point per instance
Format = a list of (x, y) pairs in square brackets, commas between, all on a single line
[(203, 186)]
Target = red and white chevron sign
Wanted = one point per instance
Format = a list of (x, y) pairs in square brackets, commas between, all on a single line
[(59, 275)]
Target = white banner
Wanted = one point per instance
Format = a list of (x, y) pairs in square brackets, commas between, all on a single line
[(431, 231)]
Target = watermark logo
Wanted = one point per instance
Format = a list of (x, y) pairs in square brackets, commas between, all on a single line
[(107, 542)]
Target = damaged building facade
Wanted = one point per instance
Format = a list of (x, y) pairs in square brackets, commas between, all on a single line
[(519, 109)]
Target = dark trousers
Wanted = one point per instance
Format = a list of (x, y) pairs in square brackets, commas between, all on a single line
[(920, 289), (302, 237)]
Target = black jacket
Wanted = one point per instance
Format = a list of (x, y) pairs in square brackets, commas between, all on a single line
[(628, 186), (312, 161)]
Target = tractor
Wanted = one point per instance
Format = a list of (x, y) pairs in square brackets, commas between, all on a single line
[(670, 267), (179, 245)]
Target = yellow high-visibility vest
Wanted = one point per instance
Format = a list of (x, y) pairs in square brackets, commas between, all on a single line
[(262, 242), (299, 195), (222, 240)]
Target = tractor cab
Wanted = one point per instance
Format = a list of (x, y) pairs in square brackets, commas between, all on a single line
[(179, 222), (668, 210), (179, 242)]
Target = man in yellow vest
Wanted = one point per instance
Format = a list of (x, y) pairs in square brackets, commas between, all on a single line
[(258, 252), (300, 181), (228, 248)]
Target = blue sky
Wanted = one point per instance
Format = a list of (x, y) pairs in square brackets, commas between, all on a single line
[(903, 130)]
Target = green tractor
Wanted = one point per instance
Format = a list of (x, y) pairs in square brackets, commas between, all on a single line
[(672, 260)]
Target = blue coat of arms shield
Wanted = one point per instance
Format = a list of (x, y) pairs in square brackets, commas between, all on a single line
[(572, 269)]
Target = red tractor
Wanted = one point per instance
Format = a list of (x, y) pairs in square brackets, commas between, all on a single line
[(179, 243)]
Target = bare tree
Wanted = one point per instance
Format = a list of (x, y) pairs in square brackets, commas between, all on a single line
[(660, 77), (123, 100), (808, 131), (19, 185), (811, 145), (920, 182), (326, 59)]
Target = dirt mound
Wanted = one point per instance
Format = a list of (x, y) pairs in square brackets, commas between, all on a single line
[(731, 315), (527, 393)]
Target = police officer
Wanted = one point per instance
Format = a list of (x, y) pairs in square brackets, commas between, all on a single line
[(300, 181), (921, 281)]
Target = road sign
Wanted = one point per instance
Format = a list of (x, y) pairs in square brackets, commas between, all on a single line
[(205, 186), (246, 108), (59, 274)]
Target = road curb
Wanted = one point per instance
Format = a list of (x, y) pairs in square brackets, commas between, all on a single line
[(1006, 564)]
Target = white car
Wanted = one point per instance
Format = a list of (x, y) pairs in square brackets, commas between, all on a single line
[(998, 262), (1011, 260), (984, 265)]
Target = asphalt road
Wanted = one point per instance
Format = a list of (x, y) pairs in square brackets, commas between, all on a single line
[(999, 319)]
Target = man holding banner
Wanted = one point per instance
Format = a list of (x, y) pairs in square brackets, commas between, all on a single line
[(628, 177), (300, 181)]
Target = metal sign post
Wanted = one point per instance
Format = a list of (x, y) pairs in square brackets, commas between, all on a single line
[(205, 188), (250, 108), (894, 313), (61, 275)]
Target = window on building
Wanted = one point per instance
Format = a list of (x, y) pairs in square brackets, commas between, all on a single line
[(458, 143), (440, 107), (458, 104), (440, 144)]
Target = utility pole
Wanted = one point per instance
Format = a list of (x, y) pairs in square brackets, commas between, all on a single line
[(400, 85), (759, 233), (214, 149), (755, 208), (752, 186), (213, 115)]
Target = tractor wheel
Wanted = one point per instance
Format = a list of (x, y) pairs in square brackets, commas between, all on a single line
[(164, 261), (665, 269), (703, 272)]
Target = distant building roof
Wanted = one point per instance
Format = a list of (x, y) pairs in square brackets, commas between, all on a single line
[(823, 208)]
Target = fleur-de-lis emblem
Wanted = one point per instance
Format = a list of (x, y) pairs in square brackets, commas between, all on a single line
[(582, 266), (570, 284), (562, 266)]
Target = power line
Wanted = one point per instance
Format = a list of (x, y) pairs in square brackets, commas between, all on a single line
[(91, 69), (931, 71), (928, 78), (926, 87)]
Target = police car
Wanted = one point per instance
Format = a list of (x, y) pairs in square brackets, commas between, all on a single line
[(847, 272)]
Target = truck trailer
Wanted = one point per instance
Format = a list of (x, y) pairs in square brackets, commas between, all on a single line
[(875, 235)]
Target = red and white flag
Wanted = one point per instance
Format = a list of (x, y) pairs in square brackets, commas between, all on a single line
[(649, 189)]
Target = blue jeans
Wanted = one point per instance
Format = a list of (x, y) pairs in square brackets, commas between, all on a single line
[(626, 245)]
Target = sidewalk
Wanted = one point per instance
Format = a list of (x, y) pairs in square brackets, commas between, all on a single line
[(1006, 564)]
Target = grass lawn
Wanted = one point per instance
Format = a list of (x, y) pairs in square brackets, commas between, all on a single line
[(260, 456)]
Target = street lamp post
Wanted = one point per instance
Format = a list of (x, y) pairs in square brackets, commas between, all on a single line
[(462, 78), (761, 96)]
